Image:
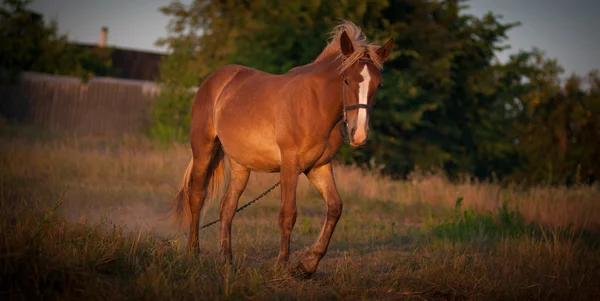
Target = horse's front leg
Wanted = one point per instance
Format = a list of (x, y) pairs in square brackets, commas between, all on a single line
[(287, 215), (322, 179)]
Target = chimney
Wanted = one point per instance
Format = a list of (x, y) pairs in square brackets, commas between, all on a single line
[(103, 36)]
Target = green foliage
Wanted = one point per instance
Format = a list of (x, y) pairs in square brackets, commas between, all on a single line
[(29, 44), (171, 115), (558, 128), (446, 102), (467, 225)]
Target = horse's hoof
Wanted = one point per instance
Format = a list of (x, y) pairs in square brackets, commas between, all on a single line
[(302, 271)]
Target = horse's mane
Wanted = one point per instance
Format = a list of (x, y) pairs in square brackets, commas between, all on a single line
[(359, 41)]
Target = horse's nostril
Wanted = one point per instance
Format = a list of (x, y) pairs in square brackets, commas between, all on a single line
[(352, 132)]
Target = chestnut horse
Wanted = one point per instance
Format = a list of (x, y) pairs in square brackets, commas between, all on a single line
[(284, 123)]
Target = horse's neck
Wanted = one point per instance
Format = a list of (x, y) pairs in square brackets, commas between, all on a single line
[(328, 86), (329, 94)]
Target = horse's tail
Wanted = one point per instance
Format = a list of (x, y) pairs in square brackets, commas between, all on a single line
[(215, 177)]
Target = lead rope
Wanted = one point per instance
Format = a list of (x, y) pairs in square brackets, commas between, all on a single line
[(246, 205)]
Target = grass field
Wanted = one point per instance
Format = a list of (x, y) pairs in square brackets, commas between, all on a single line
[(83, 218)]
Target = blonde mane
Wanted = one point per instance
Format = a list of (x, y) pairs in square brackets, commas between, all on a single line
[(359, 41)]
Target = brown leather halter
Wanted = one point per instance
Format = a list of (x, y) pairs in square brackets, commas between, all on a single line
[(343, 125)]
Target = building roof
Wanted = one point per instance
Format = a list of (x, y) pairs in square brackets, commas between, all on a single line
[(134, 64)]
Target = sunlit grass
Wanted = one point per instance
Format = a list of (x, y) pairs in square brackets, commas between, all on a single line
[(82, 218)]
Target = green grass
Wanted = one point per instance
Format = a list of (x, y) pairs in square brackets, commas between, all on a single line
[(469, 224), (81, 218)]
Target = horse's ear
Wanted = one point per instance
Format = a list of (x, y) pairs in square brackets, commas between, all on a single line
[(384, 51), (346, 44)]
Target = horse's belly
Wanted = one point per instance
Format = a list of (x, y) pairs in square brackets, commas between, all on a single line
[(257, 150)]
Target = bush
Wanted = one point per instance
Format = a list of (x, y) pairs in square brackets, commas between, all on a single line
[(171, 115)]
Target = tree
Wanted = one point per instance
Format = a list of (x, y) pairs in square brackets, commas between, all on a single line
[(558, 128), (29, 44), (446, 101)]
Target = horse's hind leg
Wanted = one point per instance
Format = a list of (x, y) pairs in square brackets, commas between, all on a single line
[(206, 147), (237, 184), (206, 158)]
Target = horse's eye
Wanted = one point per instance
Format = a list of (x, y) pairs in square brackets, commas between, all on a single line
[(346, 82)]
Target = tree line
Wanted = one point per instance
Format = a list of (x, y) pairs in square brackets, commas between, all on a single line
[(446, 104)]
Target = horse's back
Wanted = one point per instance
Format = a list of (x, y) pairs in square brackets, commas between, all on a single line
[(219, 86)]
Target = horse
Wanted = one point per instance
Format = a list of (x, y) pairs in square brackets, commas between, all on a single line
[(291, 123)]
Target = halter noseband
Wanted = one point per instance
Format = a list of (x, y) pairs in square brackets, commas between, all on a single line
[(344, 123)]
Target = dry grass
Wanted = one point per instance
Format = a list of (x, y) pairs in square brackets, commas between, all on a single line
[(404, 240)]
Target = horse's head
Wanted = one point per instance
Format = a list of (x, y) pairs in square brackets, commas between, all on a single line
[(361, 80)]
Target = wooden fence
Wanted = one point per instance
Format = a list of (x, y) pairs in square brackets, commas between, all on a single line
[(103, 106)]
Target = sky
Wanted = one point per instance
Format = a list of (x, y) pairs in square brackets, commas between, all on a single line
[(564, 30)]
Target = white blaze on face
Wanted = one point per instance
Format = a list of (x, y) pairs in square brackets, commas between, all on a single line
[(363, 92)]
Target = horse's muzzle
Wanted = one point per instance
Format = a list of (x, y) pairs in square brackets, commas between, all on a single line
[(343, 126)]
